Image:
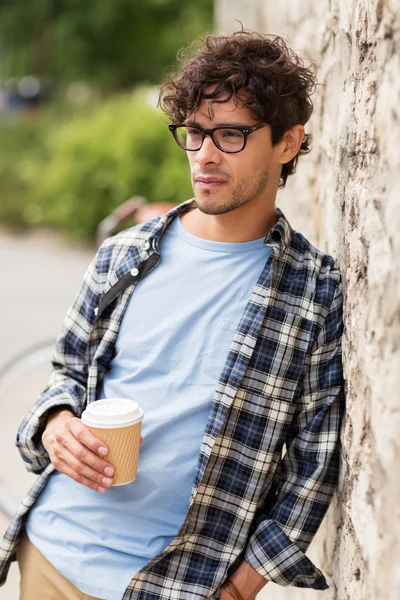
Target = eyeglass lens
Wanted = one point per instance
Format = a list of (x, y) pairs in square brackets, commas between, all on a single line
[(190, 138)]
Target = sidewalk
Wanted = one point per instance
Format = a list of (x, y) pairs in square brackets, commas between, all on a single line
[(40, 276)]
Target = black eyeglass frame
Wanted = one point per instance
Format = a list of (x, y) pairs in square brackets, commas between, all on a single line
[(246, 131)]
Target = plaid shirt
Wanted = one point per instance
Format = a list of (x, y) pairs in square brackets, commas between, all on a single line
[(281, 389)]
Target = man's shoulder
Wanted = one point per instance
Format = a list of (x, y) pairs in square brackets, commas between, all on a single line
[(307, 256), (124, 244), (302, 259), (315, 273), (137, 235)]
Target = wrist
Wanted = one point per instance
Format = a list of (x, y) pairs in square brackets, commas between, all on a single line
[(232, 590), (247, 581), (56, 417)]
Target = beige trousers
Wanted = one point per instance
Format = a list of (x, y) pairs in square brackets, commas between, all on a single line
[(40, 580)]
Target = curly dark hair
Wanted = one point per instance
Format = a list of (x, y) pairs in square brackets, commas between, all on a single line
[(277, 84)]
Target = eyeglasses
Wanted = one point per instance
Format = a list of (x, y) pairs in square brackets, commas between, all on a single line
[(226, 138)]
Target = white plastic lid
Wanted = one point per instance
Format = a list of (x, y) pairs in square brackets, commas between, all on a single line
[(112, 412)]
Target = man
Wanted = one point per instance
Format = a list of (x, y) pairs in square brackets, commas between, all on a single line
[(225, 325)]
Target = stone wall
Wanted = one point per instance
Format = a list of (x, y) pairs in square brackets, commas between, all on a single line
[(345, 197)]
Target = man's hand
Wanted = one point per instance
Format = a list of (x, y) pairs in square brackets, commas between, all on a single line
[(246, 580), (76, 452)]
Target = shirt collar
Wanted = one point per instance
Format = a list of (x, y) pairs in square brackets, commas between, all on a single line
[(278, 236)]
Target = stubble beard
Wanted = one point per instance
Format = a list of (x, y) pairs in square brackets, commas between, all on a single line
[(243, 193)]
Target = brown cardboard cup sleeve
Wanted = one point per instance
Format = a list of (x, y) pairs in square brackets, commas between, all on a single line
[(118, 423)]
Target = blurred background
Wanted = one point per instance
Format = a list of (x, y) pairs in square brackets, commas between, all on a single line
[(80, 134), (79, 128)]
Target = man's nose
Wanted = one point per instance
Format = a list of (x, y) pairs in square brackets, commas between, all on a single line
[(208, 152)]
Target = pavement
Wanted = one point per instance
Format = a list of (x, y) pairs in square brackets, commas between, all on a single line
[(40, 276)]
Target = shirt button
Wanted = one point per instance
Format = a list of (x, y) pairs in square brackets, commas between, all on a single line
[(147, 245), (134, 272)]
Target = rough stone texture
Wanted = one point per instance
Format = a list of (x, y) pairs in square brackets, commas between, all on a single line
[(345, 198)]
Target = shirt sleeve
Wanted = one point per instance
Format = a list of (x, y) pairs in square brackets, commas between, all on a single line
[(309, 470), (68, 380)]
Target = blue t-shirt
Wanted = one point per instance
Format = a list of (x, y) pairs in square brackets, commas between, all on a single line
[(169, 353)]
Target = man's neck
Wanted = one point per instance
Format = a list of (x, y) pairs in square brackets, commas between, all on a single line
[(228, 227)]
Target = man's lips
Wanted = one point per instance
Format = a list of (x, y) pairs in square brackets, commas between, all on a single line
[(210, 180)]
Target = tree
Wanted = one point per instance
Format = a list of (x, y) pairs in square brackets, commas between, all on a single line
[(112, 44)]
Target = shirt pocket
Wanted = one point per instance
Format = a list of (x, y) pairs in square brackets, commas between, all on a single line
[(281, 354), (222, 334)]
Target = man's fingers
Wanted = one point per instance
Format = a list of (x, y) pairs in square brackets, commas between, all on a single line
[(72, 444), (85, 456), (66, 463), (86, 437)]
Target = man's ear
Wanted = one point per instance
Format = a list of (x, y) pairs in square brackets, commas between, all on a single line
[(291, 142)]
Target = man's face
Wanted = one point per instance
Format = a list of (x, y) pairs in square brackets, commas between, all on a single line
[(223, 182)]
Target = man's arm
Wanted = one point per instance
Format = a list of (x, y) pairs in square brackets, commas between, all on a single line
[(276, 549), (67, 386), (243, 584)]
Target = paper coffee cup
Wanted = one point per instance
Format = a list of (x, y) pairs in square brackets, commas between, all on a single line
[(118, 423)]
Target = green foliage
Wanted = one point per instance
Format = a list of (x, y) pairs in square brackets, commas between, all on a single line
[(111, 43), (74, 173), (69, 168), (22, 154)]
